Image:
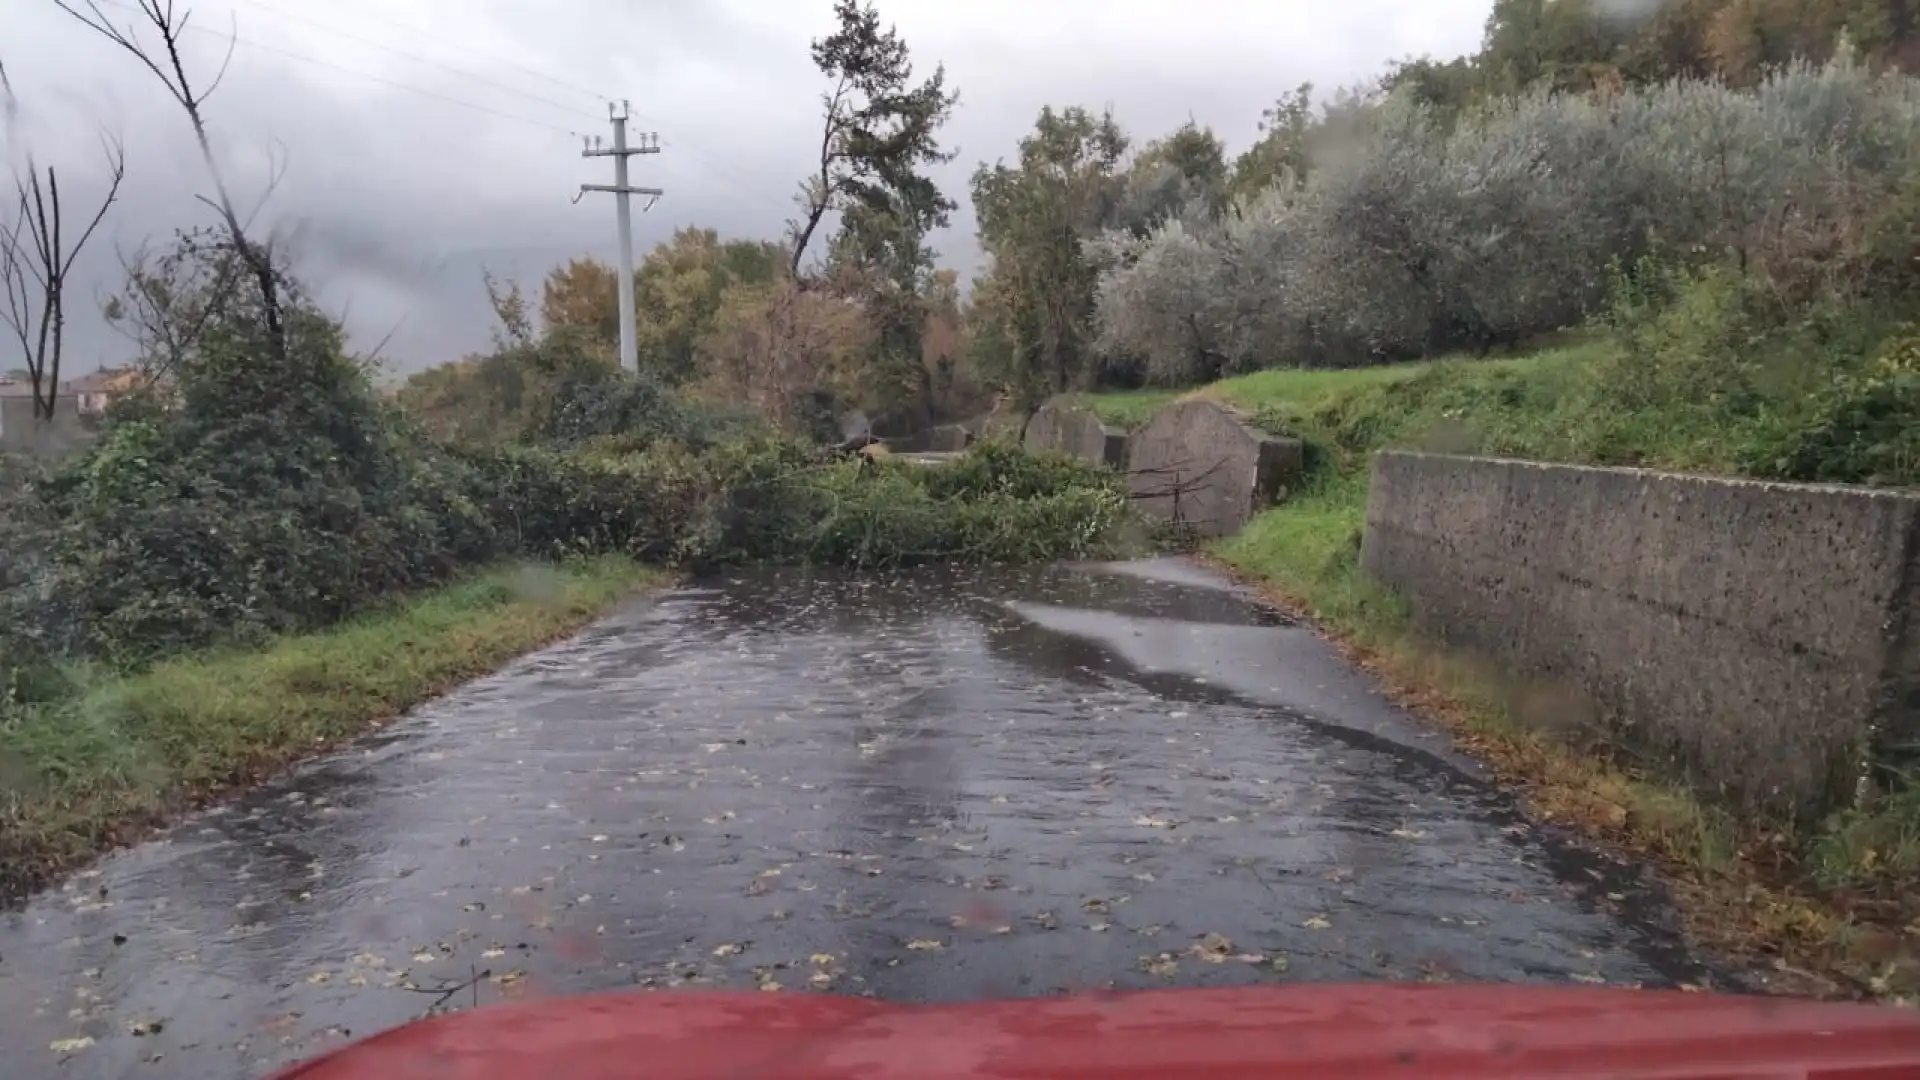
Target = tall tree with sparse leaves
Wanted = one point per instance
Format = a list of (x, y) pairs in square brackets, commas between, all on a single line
[(879, 133)]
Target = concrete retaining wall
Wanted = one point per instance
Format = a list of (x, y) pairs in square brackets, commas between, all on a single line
[(1198, 464), (1755, 638), (1064, 427)]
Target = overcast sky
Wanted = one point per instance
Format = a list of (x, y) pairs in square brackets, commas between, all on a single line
[(427, 139)]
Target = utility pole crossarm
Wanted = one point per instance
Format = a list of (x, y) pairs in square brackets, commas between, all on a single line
[(622, 193), (649, 144)]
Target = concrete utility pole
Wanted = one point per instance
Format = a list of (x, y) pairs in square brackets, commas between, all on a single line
[(620, 152)]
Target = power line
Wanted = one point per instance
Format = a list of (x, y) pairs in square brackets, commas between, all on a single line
[(495, 57), (417, 58), (721, 173), (719, 168), (383, 80), (695, 151)]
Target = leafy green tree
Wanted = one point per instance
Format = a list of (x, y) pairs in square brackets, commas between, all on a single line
[(1563, 44), (880, 261), (1281, 152), (678, 289), (1424, 236), (1185, 171), (261, 490), (1587, 44), (1036, 219), (1671, 43), (583, 295)]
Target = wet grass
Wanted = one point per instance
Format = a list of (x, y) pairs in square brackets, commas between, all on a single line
[(1302, 389), (1834, 909), (115, 758), (1131, 409)]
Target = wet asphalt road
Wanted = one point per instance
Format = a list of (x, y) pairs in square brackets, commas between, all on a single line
[(940, 787)]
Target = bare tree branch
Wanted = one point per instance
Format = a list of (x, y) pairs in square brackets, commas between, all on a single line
[(169, 300), (166, 64), (371, 359), (14, 283), (10, 108), (818, 195), (226, 62), (116, 155), (277, 157), (35, 259)]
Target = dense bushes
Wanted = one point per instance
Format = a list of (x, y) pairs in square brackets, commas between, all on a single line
[(772, 500), (266, 490), (1423, 231), (1863, 426), (255, 491), (189, 560), (996, 505)]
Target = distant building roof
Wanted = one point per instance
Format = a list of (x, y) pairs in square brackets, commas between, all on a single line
[(105, 381)]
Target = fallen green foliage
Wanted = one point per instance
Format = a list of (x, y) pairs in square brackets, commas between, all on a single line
[(994, 504)]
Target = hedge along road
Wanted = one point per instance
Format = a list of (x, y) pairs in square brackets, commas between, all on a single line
[(942, 786)]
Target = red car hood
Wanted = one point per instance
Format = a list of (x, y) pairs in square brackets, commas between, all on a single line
[(1487, 1033)]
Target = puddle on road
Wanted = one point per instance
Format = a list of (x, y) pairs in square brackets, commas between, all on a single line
[(943, 786)]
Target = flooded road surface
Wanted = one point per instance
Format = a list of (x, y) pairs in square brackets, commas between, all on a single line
[(940, 787)]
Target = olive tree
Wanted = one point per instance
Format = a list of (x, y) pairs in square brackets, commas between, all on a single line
[(1416, 232)]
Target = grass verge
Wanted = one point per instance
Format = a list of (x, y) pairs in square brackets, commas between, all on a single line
[(1829, 910), (1298, 388), (119, 757), (1131, 409)]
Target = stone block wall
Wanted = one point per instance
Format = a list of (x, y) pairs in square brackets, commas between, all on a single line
[(1199, 464), (1061, 426)]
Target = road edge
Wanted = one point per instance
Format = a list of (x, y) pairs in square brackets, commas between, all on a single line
[(224, 723), (1788, 943)]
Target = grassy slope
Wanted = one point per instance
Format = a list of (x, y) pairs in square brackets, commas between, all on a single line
[(1130, 409), (1306, 554), (82, 775)]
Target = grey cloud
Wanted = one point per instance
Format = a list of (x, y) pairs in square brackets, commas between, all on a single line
[(395, 200)]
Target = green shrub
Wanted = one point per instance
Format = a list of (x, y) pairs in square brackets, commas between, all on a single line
[(269, 489), (1862, 427), (605, 406), (779, 503), (550, 504), (999, 470)]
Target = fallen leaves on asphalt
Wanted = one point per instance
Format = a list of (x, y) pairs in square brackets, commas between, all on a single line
[(1214, 948), (1161, 964)]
